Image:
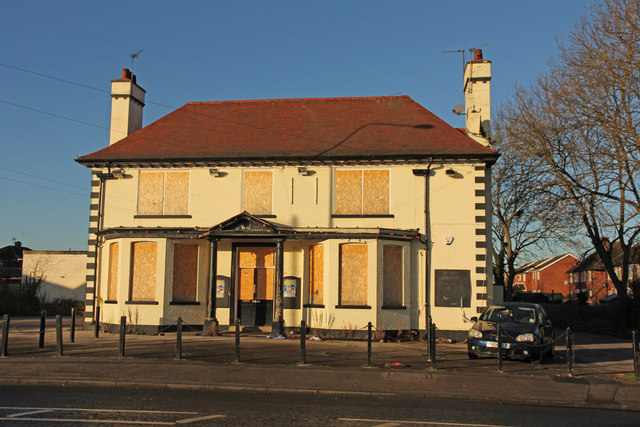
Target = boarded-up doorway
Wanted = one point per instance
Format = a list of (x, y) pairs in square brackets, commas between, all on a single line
[(255, 277)]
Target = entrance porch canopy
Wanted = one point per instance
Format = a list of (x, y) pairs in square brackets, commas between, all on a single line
[(248, 226)]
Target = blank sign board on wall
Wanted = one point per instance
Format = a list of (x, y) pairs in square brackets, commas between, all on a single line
[(453, 288)]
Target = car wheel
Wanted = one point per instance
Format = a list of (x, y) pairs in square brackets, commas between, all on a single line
[(551, 352), (472, 355)]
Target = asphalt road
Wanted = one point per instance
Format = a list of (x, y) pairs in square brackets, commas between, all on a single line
[(40, 406)]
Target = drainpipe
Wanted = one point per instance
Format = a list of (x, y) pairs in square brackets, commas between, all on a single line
[(211, 321), (103, 177), (427, 285)]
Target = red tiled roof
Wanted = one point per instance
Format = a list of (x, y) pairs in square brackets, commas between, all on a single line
[(330, 128)]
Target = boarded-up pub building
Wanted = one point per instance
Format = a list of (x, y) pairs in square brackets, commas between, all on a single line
[(336, 211)]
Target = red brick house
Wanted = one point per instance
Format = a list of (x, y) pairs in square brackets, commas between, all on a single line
[(589, 276), (548, 276)]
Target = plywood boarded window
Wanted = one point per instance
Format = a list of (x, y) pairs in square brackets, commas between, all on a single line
[(362, 192), (112, 281), (144, 256), (316, 275), (256, 271), (185, 273), (257, 192), (392, 276), (163, 193), (353, 274)]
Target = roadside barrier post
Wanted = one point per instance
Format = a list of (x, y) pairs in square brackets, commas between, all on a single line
[(636, 355), (58, 335), (123, 330), (43, 318), (570, 354), (96, 324), (5, 336), (432, 351), (72, 333), (237, 340), (369, 344), (303, 342), (541, 352), (179, 339), (499, 339)]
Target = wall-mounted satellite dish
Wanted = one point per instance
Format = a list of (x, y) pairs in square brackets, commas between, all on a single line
[(486, 128), (458, 109), (496, 138)]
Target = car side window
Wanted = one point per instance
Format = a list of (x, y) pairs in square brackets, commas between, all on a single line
[(542, 316)]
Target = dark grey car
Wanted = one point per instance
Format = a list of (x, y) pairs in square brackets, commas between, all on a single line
[(526, 331)]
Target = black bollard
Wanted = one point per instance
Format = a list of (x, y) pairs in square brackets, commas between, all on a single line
[(5, 336), (72, 332), (237, 340), (303, 342), (123, 331), (570, 354), (636, 355), (428, 338), (369, 344), (499, 339), (179, 339), (43, 318), (58, 335), (96, 323), (432, 350), (541, 352)]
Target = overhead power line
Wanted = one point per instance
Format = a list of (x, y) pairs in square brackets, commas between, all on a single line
[(52, 114), (44, 178), (43, 186), (171, 107)]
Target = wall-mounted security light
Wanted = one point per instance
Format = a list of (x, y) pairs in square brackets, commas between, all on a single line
[(215, 173), (118, 173), (304, 171), (451, 172)]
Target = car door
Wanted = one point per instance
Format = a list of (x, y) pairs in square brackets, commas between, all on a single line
[(545, 326)]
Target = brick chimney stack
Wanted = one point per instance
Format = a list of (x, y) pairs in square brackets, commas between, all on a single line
[(477, 99), (127, 102)]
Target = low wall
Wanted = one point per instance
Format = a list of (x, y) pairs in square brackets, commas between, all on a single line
[(63, 273)]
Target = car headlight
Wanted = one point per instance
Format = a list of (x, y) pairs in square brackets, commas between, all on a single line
[(474, 333), (525, 338)]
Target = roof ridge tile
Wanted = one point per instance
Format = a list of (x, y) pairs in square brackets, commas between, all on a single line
[(344, 98)]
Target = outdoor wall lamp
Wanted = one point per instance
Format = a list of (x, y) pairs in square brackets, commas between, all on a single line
[(451, 172), (302, 170), (215, 173)]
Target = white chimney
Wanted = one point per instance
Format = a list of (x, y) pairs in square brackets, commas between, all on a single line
[(127, 102), (477, 98)]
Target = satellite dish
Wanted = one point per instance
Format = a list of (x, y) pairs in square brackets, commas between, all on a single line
[(458, 110), (486, 128), (496, 138)]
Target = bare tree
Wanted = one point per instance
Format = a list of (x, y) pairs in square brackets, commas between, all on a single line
[(526, 216), (581, 122)]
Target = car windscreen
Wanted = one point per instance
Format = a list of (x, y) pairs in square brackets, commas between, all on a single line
[(500, 313)]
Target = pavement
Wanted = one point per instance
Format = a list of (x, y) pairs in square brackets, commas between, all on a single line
[(603, 375)]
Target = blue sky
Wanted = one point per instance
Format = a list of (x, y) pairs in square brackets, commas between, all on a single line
[(222, 50)]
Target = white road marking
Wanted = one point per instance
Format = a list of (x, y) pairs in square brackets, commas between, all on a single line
[(426, 423), (130, 411), (20, 414), (193, 420), (79, 420)]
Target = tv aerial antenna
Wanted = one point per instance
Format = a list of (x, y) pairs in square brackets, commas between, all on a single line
[(462, 51), (134, 56)]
